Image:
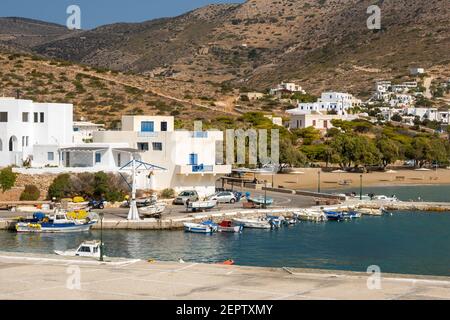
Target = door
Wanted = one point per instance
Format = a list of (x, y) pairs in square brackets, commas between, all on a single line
[(67, 159), (193, 159)]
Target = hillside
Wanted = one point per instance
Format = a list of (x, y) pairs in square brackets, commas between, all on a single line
[(321, 43)]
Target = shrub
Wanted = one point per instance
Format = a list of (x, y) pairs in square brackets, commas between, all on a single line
[(7, 179), (60, 187), (31, 193), (168, 194)]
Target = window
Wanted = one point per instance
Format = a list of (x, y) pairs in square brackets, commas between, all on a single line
[(98, 157), (36, 117), (193, 159), (42, 117), (147, 126), (76, 129), (142, 146), (50, 156), (314, 123), (24, 116), (27, 138), (3, 116), (164, 126), (325, 124), (157, 146)]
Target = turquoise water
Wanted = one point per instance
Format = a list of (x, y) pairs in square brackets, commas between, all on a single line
[(439, 193), (412, 243)]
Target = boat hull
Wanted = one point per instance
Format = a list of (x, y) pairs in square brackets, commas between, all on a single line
[(235, 229), (53, 228), (197, 228), (253, 224)]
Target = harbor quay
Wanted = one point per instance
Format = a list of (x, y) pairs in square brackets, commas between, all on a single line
[(36, 276)]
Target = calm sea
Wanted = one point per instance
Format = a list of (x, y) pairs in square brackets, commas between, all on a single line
[(412, 243)]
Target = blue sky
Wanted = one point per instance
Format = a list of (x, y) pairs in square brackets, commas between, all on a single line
[(99, 12)]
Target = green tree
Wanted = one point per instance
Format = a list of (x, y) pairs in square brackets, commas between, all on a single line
[(7, 179), (389, 150), (60, 187), (309, 135), (290, 156)]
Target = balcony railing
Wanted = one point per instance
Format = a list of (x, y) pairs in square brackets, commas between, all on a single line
[(143, 134), (202, 168)]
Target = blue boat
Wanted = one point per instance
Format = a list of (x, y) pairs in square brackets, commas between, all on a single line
[(214, 226), (57, 223), (334, 215), (207, 227)]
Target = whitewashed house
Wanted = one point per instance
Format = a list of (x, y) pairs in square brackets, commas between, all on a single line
[(329, 102), (32, 132), (286, 88), (416, 71), (316, 120), (188, 157), (83, 131)]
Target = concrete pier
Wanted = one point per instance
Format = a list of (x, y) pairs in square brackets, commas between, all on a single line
[(27, 276)]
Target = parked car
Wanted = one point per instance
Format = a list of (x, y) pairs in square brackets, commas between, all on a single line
[(184, 196), (224, 197)]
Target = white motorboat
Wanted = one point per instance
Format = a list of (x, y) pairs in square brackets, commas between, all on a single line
[(153, 209), (253, 223), (202, 205), (385, 198), (198, 228), (86, 249)]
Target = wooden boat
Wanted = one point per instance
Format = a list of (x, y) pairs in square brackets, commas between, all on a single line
[(227, 226), (198, 228), (56, 223), (253, 223), (86, 249), (202, 205), (311, 215)]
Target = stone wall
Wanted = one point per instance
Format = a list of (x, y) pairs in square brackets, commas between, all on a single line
[(43, 182)]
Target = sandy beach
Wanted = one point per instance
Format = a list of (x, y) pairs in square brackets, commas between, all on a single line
[(307, 178)]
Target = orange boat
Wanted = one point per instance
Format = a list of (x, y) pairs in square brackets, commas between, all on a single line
[(229, 262)]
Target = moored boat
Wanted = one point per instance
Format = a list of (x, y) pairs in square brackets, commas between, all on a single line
[(197, 228), (86, 249), (334, 215), (153, 210), (253, 223), (227, 226), (311, 215), (56, 223), (202, 205)]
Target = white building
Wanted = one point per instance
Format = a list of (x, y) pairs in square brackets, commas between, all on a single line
[(330, 102), (316, 120), (83, 131), (28, 128), (189, 157), (416, 71), (286, 88)]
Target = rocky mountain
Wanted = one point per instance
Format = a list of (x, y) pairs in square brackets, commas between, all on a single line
[(324, 44)]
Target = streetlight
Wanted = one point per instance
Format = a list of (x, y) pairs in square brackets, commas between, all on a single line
[(360, 187), (101, 235), (318, 183)]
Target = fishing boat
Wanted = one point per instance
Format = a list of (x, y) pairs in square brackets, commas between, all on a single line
[(198, 228), (56, 223), (334, 215), (253, 223), (351, 214), (261, 201), (227, 226), (153, 209), (275, 221), (201, 205), (392, 198), (86, 249)]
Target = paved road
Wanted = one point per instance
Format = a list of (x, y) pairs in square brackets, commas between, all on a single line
[(172, 211), (44, 277)]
